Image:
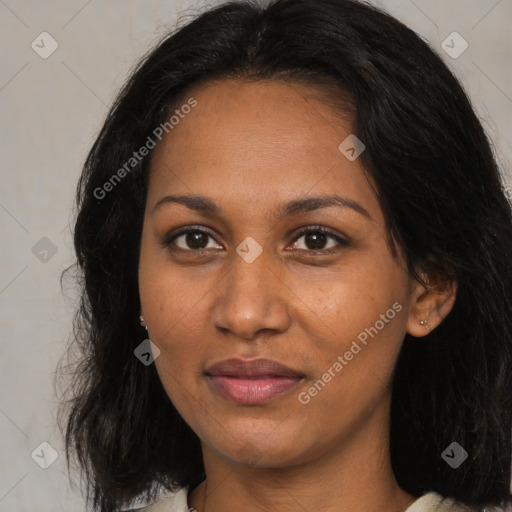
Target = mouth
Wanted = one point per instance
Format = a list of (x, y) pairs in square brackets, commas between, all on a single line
[(251, 382)]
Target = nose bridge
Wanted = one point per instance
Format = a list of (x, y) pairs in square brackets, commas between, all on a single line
[(249, 299), (249, 270)]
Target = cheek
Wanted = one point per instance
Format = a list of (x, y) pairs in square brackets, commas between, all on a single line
[(356, 296), (170, 300), (171, 310), (353, 370), (360, 317), (175, 320)]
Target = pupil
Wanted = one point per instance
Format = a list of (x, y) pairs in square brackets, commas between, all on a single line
[(317, 239), (193, 240)]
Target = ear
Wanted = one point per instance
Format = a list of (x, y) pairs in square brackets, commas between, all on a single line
[(431, 302)]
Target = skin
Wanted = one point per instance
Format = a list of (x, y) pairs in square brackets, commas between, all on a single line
[(250, 147)]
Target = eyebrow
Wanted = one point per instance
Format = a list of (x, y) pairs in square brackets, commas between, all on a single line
[(206, 205)]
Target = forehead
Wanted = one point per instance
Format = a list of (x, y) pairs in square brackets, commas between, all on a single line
[(267, 139)]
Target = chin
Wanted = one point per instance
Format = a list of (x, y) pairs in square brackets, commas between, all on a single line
[(263, 450)]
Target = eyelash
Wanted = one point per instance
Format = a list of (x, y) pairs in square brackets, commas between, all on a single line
[(169, 239)]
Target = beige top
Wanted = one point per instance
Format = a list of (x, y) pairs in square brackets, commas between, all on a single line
[(429, 502)]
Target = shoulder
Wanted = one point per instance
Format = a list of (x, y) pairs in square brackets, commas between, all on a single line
[(433, 502), (430, 502), (176, 502)]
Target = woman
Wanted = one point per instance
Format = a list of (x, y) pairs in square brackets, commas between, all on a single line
[(299, 208)]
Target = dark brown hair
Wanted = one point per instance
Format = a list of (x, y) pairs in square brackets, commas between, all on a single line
[(440, 190)]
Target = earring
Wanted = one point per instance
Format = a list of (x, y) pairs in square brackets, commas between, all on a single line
[(424, 322), (142, 323)]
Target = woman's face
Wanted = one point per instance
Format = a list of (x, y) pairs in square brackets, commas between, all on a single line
[(260, 162)]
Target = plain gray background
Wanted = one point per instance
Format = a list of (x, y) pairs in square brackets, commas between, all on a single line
[(51, 111)]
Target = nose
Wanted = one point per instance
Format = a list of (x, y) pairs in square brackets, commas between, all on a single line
[(251, 297)]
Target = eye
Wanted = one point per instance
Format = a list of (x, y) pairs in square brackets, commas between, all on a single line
[(195, 239), (191, 239), (315, 239)]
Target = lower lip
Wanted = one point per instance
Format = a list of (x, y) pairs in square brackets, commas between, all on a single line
[(252, 391)]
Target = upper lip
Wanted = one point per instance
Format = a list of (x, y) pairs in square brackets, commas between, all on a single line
[(251, 368)]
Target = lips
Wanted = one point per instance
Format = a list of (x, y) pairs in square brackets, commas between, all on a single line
[(256, 368), (251, 381)]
